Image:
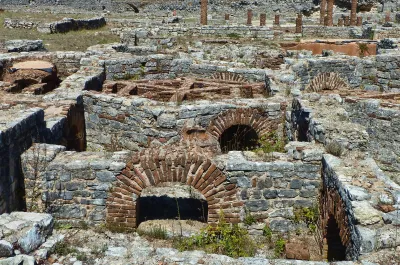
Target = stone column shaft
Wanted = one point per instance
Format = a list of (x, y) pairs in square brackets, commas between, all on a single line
[(322, 12), (226, 16), (340, 22), (347, 21), (299, 23), (276, 22), (203, 12), (263, 19), (353, 14), (249, 17), (359, 21), (330, 13)]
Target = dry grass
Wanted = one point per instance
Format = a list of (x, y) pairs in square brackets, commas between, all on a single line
[(71, 41)]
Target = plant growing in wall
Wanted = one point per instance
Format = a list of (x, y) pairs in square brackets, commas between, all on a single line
[(34, 163), (224, 238)]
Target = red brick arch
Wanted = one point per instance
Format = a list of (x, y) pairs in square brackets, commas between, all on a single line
[(255, 118), (153, 166)]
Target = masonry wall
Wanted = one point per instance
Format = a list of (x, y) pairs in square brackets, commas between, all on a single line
[(160, 66), (14, 140), (379, 73), (136, 123), (328, 32), (70, 24), (272, 191), (383, 126)]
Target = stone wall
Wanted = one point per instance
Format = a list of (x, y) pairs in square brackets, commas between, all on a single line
[(15, 138), (272, 191), (19, 24), (383, 126), (70, 24), (379, 73), (311, 31), (137, 123), (104, 187)]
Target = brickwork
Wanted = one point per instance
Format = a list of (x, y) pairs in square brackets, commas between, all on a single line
[(249, 17), (251, 117), (152, 167), (322, 12), (263, 19), (353, 14), (299, 23), (276, 21), (330, 13), (203, 12)]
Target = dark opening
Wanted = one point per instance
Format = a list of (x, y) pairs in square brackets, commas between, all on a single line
[(134, 8), (164, 207), (238, 138), (336, 250)]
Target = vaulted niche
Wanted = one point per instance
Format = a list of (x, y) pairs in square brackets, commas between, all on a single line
[(336, 250), (238, 138), (172, 201)]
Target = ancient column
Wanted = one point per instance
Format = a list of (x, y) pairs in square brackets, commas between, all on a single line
[(322, 13), (353, 14), (299, 23), (347, 21), (326, 21), (249, 17), (174, 13), (203, 10), (387, 17), (359, 22), (226, 17), (276, 22), (340, 22), (330, 13), (263, 19)]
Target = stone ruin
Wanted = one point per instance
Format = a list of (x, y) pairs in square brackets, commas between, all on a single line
[(156, 130)]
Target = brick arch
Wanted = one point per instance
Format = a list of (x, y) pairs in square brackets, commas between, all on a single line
[(153, 166), (255, 118)]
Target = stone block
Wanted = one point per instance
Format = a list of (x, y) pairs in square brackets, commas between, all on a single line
[(281, 225), (287, 193), (257, 205), (296, 184), (270, 194), (105, 176)]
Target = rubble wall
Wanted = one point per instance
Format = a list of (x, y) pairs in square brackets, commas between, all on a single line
[(160, 66), (383, 126), (378, 73), (136, 123), (14, 140)]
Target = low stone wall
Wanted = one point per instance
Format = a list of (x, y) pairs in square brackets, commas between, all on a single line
[(311, 31), (382, 124), (16, 137), (272, 191), (19, 24), (379, 73), (136, 123), (70, 24)]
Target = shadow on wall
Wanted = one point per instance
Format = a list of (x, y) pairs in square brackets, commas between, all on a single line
[(164, 207)]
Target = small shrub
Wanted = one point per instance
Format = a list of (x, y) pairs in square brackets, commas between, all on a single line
[(62, 248), (62, 226), (267, 232), (82, 256), (334, 148), (249, 219), (279, 247), (309, 216), (157, 232), (224, 238), (234, 35), (271, 142), (363, 49)]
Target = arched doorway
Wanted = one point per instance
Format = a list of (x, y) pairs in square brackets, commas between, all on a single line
[(336, 250), (238, 138), (152, 168), (171, 201)]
